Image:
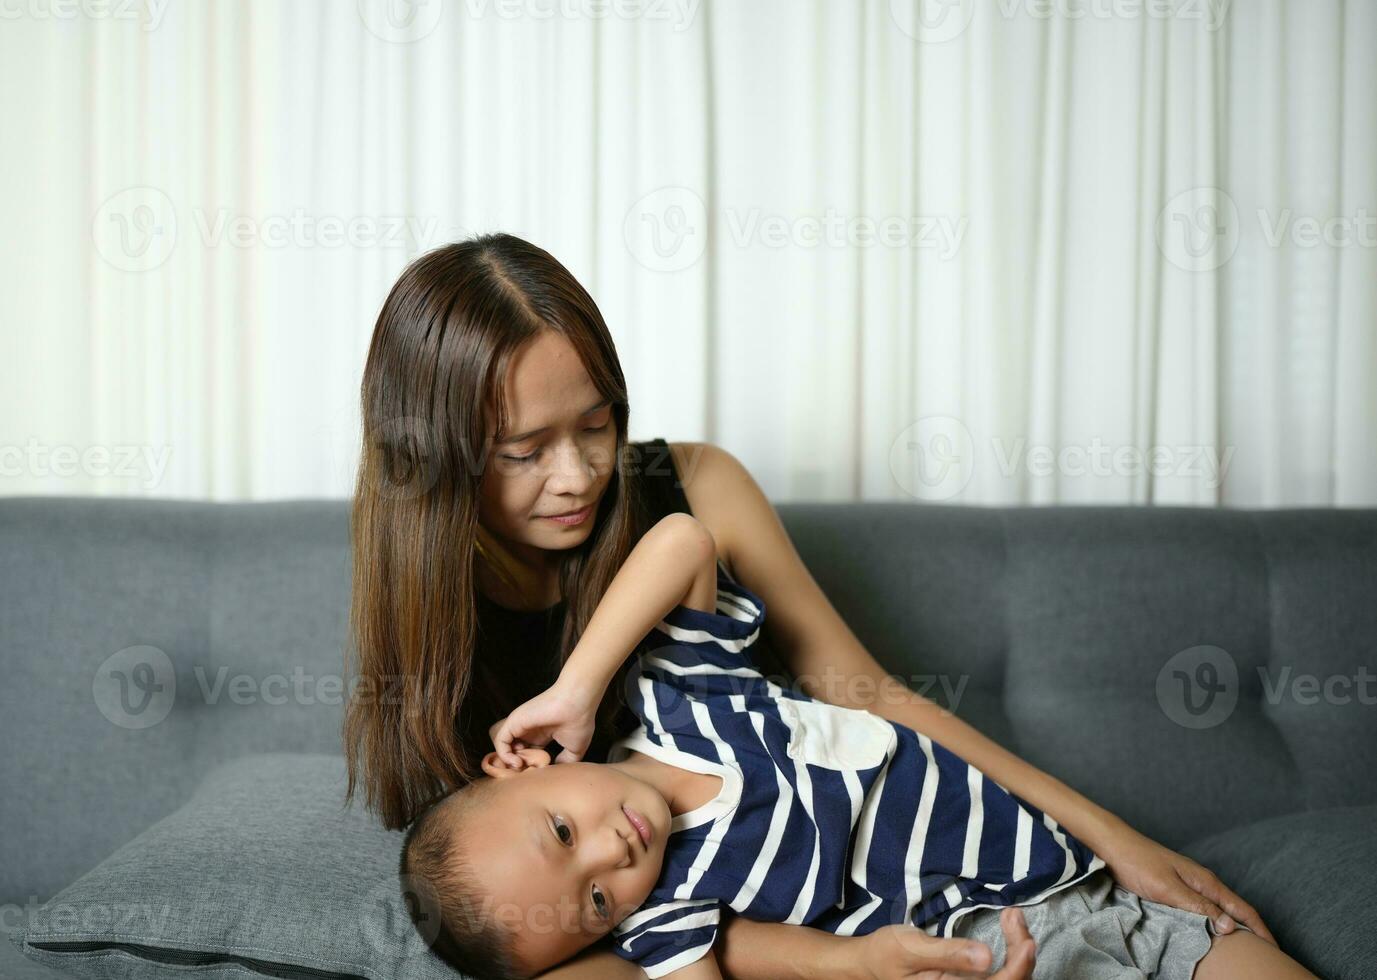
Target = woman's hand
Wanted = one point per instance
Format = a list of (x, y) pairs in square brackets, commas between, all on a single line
[(904, 952), (1159, 874), (565, 712)]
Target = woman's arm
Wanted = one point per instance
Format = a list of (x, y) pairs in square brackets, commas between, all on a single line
[(828, 659), (832, 665)]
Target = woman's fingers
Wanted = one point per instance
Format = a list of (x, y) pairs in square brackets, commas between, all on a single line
[(496, 727), (506, 745), (1193, 897), (1221, 901)]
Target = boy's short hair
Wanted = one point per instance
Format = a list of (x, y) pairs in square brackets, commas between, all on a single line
[(437, 880)]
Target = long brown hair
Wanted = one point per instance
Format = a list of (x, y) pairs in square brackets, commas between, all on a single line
[(437, 361)]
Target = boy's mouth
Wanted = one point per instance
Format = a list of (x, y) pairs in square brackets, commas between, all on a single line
[(640, 824)]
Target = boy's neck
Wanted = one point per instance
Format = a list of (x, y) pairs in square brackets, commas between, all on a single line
[(682, 789)]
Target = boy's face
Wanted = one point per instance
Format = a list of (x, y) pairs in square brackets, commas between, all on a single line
[(558, 855)]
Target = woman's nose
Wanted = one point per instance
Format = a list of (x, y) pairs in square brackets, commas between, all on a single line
[(572, 470)]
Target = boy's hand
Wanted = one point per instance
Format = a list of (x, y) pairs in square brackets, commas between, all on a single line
[(565, 712), (907, 952)]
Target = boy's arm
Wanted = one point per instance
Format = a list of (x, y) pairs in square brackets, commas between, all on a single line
[(674, 563), (703, 968), (596, 962), (751, 950)]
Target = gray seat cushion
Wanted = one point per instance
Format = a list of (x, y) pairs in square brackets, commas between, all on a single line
[(263, 871), (1312, 876), (1046, 628)]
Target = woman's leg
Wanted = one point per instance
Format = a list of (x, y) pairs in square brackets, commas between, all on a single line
[(1242, 954)]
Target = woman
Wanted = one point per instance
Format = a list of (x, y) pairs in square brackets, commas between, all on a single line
[(494, 406)]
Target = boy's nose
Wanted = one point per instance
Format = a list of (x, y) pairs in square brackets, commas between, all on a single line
[(612, 849)]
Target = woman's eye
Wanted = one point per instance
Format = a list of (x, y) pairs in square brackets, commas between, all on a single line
[(600, 902), (521, 459), (563, 832), (599, 428)]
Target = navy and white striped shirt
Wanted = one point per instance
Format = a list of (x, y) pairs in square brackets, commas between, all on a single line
[(830, 817)]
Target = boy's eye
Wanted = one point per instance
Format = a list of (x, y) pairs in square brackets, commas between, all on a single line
[(563, 832), (599, 902)]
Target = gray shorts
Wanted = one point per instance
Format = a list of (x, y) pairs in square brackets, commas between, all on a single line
[(1098, 930)]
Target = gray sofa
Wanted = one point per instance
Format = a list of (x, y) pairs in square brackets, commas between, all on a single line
[(1097, 643)]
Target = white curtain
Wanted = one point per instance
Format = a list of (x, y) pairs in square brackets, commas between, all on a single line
[(970, 251)]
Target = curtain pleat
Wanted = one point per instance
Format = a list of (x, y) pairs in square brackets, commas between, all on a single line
[(981, 252)]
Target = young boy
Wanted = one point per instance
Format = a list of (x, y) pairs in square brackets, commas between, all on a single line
[(734, 793)]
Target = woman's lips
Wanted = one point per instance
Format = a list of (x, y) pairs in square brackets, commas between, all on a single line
[(641, 824), (573, 519)]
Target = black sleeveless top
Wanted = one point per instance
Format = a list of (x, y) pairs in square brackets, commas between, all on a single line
[(519, 648)]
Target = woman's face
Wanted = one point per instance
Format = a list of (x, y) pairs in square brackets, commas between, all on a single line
[(563, 460)]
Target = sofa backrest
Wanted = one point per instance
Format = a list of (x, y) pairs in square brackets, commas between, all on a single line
[(144, 641)]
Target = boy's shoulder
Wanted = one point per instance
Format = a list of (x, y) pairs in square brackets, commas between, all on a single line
[(665, 935)]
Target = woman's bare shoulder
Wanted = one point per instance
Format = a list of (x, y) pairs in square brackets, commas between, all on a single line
[(707, 473), (719, 490)]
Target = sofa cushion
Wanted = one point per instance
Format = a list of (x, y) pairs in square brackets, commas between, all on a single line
[(1310, 875), (262, 871)]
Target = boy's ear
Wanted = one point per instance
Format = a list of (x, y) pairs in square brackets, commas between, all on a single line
[(532, 757)]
